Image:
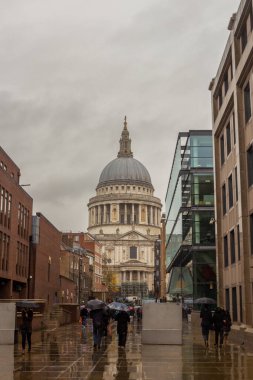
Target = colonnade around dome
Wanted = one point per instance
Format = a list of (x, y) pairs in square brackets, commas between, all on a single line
[(124, 213)]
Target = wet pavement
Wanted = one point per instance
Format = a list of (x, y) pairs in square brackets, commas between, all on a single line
[(67, 353)]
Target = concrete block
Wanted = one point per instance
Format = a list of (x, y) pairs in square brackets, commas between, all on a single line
[(162, 323), (7, 322)]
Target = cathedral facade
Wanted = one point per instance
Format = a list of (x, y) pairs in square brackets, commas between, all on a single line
[(124, 216)]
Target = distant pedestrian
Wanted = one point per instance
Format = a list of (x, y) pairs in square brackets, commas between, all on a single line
[(83, 315), (218, 322), (206, 323), (26, 328), (226, 325), (139, 313), (97, 317), (107, 331), (122, 317)]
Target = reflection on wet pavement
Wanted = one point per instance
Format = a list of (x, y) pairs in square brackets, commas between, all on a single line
[(67, 353)]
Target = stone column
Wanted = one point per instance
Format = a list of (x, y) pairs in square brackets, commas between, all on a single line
[(125, 215), (104, 214), (131, 276), (99, 214), (109, 213), (151, 215), (139, 276), (132, 217)]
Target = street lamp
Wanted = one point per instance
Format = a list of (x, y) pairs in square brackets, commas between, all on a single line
[(80, 278)]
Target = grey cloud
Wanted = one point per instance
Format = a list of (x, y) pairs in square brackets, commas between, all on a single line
[(69, 74)]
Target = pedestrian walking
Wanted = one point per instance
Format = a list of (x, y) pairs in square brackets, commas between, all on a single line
[(139, 313), (97, 317), (226, 325), (218, 322), (26, 328), (83, 315), (206, 323), (122, 318), (107, 329)]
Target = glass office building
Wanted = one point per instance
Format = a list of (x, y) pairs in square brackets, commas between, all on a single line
[(190, 229)]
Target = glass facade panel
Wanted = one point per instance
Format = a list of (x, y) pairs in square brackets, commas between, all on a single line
[(201, 151), (202, 190), (190, 237), (203, 231)]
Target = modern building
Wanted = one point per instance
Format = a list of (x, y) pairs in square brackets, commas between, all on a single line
[(124, 216), (15, 231), (232, 106), (190, 234)]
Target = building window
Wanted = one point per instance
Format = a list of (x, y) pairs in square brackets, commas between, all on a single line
[(241, 312), (227, 300), (244, 37), (250, 165), (238, 243), (230, 191), (232, 246), (224, 206), (226, 82), (133, 253), (247, 102), (222, 153), (234, 304), (234, 128), (225, 247), (228, 134), (251, 232), (236, 185)]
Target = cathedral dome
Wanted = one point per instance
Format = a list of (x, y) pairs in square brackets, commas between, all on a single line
[(125, 168)]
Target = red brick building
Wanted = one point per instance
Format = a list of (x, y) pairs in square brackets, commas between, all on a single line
[(75, 274), (15, 231), (45, 261), (88, 242)]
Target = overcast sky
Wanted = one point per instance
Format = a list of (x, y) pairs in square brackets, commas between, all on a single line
[(70, 70)]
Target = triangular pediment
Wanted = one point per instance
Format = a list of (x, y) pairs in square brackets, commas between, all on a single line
[(133, 235)]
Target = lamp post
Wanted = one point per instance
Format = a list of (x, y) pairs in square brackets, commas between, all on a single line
[(80, 278), (157, 273)]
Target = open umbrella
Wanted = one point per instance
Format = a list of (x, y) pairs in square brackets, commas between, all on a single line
[(95, 304), (205, 300), (118, 306), (27, 304)]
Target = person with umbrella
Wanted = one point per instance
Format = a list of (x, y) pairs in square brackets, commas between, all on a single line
[(218, 322), (97, 315), (206, 323), (26, 328), (122, 318)]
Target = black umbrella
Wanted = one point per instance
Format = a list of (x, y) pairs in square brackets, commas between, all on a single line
[(118, 306), (205, 300), (95, 304), (28, 304)]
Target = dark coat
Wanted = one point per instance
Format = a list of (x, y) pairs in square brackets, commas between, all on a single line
[(84, 312), (123, 319), (207, 320), (97, 317), (218, 319), (227, 322), (26, 324)]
